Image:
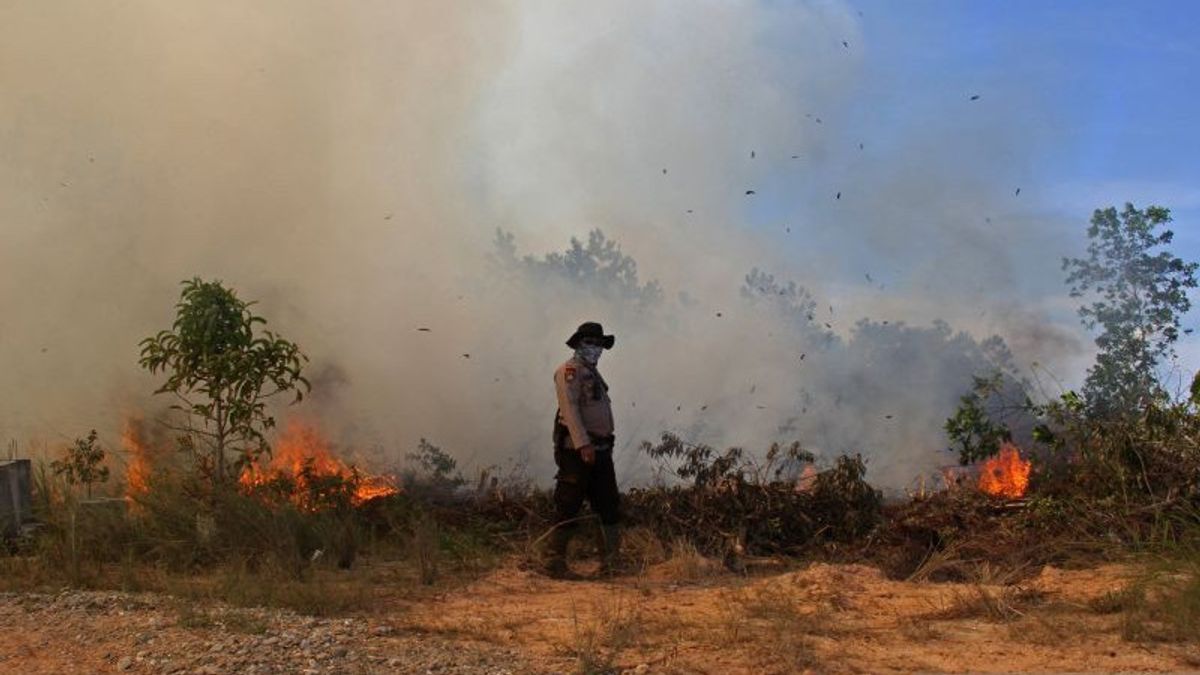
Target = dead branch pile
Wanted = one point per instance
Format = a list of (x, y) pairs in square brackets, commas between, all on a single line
[(734, 505), (954, 534)]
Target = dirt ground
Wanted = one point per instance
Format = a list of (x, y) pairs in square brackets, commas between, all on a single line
[(677, 617), (825, 618)]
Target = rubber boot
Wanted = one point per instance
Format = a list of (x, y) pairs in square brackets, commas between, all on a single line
[(610, 555), (556, 555)]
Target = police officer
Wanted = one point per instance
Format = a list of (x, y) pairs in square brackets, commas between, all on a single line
[(583, 449)]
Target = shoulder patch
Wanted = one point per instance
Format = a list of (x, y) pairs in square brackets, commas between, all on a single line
[(569, 373)]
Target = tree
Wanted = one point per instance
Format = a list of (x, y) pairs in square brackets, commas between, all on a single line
[(1140, 294), (597, 267), (81, 464), (794, 302), (972, 429), (223, 370)]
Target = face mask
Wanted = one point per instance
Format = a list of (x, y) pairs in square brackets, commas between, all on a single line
[(589, 354)]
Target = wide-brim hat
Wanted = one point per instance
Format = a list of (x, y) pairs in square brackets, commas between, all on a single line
[(591, 329)]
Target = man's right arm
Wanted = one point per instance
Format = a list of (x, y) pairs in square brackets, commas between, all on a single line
[(567, 387)]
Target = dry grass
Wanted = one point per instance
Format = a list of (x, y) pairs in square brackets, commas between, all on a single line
[(1048, 632), (642, 548), (237, 621), (998, 604), (599, 639), (322, 593), (425, 548), (918, 629), (1112, 602), (936, 562), (244, 550), (687, 563), (1164, 607), (778, 630)]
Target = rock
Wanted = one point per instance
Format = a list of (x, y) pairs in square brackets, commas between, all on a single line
[(125, 663)]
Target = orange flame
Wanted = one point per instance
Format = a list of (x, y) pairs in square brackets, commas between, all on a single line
[(141, 456), (302, 451), (1006, 474)]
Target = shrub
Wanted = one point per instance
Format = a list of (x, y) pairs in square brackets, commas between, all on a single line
[(735, 506)]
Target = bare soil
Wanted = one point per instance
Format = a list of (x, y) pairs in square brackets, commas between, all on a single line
[(677, 617)]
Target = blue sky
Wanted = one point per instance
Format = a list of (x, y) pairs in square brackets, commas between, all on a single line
[(1121, 78)]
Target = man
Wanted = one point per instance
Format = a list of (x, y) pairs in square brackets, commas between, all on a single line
[(583, 449)]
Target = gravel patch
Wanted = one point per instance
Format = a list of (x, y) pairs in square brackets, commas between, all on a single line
[(80, 631)]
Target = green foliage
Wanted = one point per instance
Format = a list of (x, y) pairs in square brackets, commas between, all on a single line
[(437, 465), (971, 428), (223, 370), (1139, 295), (1126, 459), (433, 473), (82, 463)]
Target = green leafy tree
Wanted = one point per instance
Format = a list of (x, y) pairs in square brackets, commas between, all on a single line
[(1139, 293), (597, 267), (222, 367), (972, 429), (82, 464)]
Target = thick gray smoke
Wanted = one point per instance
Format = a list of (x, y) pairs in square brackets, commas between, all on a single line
[(349, 166)]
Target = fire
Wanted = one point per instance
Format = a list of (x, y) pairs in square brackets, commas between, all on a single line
[(1006, 474), (142, 456), (302, 455)]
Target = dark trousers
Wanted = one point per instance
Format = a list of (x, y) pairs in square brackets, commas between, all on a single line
[(577, 481)]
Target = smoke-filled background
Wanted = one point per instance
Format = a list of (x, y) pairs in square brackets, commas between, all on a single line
[(799, 237)]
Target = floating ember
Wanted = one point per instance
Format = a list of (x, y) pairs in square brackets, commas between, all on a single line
[(1006, 474), (302, 460)]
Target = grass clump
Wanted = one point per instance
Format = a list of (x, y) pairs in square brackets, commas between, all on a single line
[(1164, 606), (783, 630), (599, 640), (687, 563), (997, 604)]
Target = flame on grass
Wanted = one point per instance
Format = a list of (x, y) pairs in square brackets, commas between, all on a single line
[(1006, 474), (142, 456), (302, 461)]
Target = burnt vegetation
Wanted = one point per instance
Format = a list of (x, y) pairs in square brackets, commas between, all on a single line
[(729, 504)]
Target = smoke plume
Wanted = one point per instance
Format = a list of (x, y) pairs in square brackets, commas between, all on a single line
[(348, 166)]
